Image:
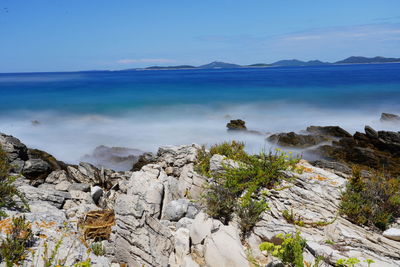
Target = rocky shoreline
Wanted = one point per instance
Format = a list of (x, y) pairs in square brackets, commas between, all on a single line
[(153, 214)]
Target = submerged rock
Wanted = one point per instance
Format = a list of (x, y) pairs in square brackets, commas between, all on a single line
[(334, 131), (236, 125), (116, 158), (388, 117), (293, 139)]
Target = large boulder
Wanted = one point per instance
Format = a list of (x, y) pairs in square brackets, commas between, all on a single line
[(139, 238), (224, 249), (36, 169)]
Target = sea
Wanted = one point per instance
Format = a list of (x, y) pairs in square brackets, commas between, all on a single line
[(68, 114)]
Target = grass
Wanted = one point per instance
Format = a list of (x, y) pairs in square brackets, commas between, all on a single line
[(237, 190), (8, 191), (372, 201)]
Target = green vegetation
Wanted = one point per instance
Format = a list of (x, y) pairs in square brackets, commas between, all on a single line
[(290, 251), (7, 190), (97, 249), (13, 249), (351, 262), (237, 189), (372, 201)]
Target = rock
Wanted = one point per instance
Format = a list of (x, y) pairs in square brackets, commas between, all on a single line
[(218, 163), (96, 192), (14, 148), (52, 196), (139, 238), (388, 117), (36, 169), (184, 223), (190, 183), (370, 132), (223, 248), (392, 233), (79, 187), (201, 228), (62, 186), (181, 245), (293, 139), (333, 165), (175, 210), (42, 155), (333, 131), (56, 177), (177, 156), (144, 159), (236, 125), (116, 158)]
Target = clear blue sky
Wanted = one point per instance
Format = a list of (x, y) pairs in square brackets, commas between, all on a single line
[(57, 35)]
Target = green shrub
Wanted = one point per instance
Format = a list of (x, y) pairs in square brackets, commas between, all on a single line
[(372, 201), (249, 212), (235, 189), (290, 251), (14, 248), (7, 190), (220, 202)]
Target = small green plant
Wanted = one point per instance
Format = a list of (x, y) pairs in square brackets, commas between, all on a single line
[(49, 257), (329, 242), (86, 263), (8, 191), (13, 249), (372, 201), (290, 217), (97, 248), (290, 251), (369, 262), (350, 262)]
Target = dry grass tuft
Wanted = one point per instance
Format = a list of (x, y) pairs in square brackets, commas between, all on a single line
[(96, 225)]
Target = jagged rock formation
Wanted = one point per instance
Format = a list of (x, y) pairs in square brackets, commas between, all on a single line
[(160, 222)]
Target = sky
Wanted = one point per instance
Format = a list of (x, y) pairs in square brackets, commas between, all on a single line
[(69, 35)]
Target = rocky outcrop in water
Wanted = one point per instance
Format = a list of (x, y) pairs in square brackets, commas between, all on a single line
[(236, 125)]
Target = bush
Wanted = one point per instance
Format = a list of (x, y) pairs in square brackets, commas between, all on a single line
[(249, 212), (290, 251), (372, 201), (14, 248), (7, 190), (236, 189)]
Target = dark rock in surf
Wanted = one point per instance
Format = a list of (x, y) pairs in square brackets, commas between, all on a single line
[(236, 125)]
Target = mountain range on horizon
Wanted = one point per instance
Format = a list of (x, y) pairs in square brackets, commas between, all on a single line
[(282, 63)]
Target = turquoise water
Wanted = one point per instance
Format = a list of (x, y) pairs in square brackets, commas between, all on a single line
[(77, 111)]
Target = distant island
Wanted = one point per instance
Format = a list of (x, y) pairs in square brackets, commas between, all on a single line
[(280, 63)]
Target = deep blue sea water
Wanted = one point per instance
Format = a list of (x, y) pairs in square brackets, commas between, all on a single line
[(145, 109)]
